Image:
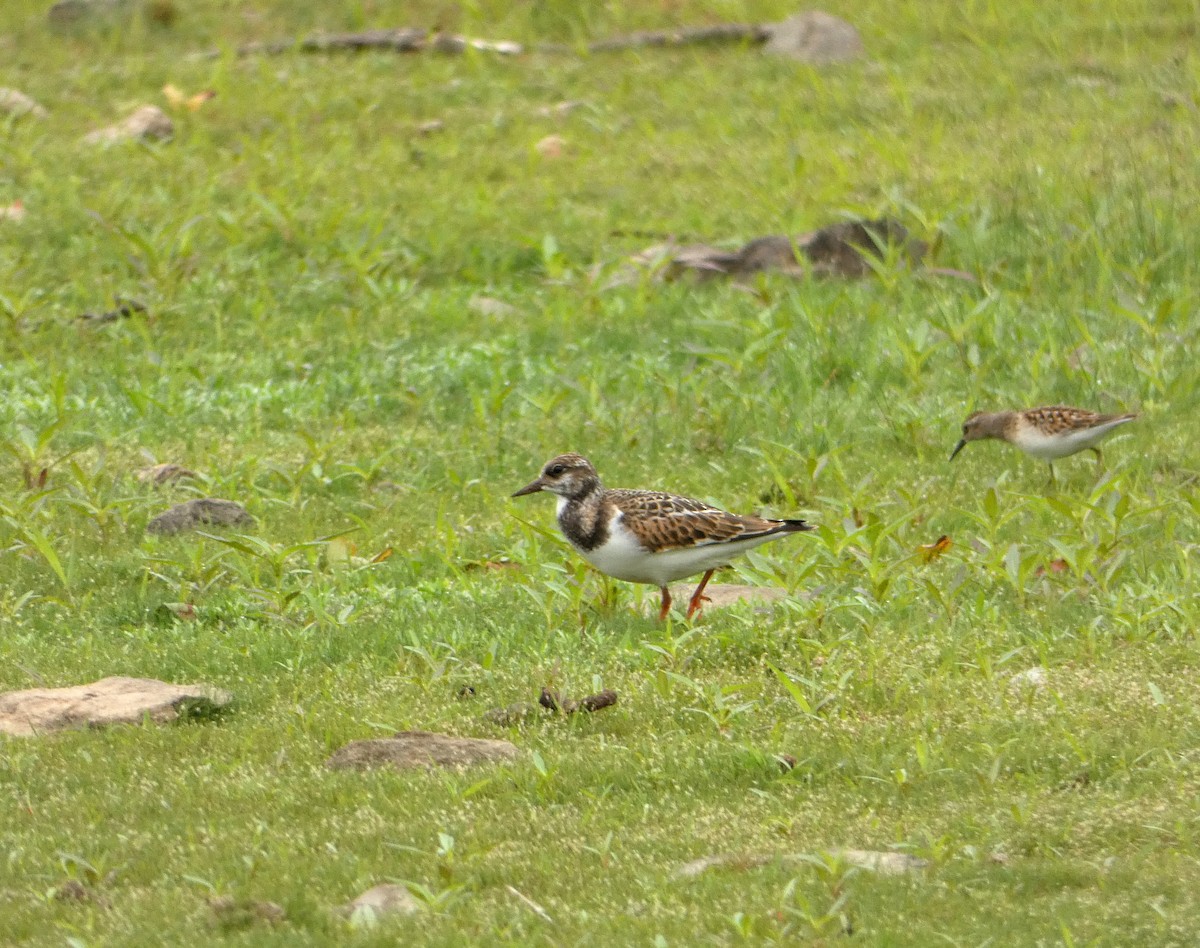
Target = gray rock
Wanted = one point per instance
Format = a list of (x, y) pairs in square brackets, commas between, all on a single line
[(203, 511), (843, 249), (814, 37), (114, 700), (773, 252), (420, 749), (380, 901), (148, 123)]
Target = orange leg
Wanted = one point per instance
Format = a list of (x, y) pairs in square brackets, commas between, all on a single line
[(698, 596), (666, 605)]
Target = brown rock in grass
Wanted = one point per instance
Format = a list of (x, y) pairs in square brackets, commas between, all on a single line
[(203, 511), (410, 749), (843, 249)]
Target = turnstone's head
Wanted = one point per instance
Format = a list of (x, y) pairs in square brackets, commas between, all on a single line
[(568, 475), (979, 425)]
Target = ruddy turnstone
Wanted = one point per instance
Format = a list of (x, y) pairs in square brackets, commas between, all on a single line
[(645, 536), (1049, 433)]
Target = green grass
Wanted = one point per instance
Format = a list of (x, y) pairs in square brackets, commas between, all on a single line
[(308, 259)]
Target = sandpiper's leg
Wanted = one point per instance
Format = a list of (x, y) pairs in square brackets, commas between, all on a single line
[(1051, 482), (1099, 456), (666, 604), (698, 596)]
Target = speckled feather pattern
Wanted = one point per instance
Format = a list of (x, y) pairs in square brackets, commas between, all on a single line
[(662, 521), (1060, 419)]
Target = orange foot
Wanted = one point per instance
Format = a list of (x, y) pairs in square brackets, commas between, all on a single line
[(698, 596)]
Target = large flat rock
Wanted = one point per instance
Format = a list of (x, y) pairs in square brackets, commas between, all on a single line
[(108, 701)]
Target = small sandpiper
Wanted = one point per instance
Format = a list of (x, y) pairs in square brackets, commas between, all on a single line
[(1049, 433), (643, 536)]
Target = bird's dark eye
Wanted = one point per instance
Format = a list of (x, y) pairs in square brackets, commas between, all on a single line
[(555, 470)]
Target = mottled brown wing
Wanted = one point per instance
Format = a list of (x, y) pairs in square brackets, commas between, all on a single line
[(665, 521), (1055, 419)]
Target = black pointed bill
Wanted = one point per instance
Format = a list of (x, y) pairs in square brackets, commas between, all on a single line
[(962, 443), (531, 488)]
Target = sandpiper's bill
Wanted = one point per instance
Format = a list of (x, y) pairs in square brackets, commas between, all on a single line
[(644, 536)]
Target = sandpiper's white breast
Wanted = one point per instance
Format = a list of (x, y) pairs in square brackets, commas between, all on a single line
[(1052, 447), (623, 557)]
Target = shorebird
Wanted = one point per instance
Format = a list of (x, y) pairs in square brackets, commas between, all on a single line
[(1048, 433), (644, 536)]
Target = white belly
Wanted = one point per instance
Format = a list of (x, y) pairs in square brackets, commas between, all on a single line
[(1051, 448), (622, 557)]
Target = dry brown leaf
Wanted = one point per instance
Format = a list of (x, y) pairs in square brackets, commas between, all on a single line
[(1054, 566), (931, 551), (194, 102), (178, 99)]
